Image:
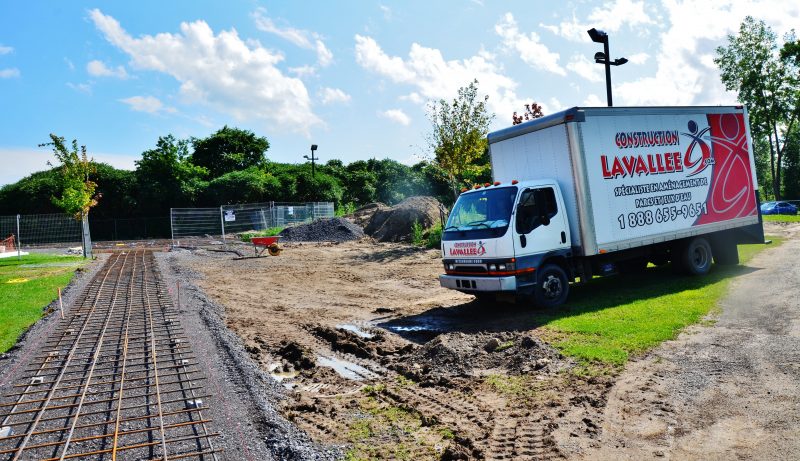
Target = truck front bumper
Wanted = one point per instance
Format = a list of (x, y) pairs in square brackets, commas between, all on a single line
[(472, 284)]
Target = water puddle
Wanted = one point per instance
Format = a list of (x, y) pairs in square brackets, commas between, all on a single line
[(345, 369), (280, 375), (355, 330)]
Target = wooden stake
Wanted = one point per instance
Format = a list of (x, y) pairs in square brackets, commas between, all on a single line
[(179, 295)]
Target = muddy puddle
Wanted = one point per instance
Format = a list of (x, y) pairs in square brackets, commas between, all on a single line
[(345, 369)]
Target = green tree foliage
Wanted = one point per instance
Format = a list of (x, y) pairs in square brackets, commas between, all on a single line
[(31, 194), (320, 187), (117, 189), (166, 177), (458, 136), (76, 195), (229, 149), (767, 81), (248, 186), (791, 178)]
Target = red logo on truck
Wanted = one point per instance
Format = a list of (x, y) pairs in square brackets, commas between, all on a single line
[(698, 155), (468, 249)]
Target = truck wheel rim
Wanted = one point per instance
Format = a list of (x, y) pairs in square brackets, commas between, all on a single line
[(700, 257), (552, 287)]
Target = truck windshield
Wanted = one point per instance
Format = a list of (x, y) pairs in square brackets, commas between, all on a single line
[(488, 209)]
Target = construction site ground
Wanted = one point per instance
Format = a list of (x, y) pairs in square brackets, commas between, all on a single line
[(374, 360)]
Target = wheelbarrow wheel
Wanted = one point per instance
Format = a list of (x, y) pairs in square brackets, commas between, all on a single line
[(274, 250)]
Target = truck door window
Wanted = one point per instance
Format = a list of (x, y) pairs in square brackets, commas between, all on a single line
[(536, 208)]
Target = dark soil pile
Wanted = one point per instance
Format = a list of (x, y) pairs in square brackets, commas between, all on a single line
[(363, 215), (459, 354), (395, 224), (323, 230)]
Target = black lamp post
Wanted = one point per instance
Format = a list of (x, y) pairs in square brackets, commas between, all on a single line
[(312, 158), (602, 57)]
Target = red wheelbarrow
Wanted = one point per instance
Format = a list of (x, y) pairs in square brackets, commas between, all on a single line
[(270, 244)]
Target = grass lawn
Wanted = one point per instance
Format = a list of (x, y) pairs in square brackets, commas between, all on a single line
[(25, 291), (611, 318), (781, 218)]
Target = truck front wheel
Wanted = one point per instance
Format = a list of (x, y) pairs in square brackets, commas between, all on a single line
[(696, 256), (552, 286)]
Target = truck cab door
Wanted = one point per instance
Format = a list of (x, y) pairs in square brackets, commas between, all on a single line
[(540, 225)]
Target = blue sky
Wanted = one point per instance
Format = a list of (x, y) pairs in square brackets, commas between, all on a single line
[(352, 77)]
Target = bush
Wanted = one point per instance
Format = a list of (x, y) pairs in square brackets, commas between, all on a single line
[(434, 238), (417, 237)]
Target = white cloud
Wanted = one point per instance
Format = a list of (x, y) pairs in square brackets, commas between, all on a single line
[(552, 106), (304, 71), (333, 95), (5, 49), (220, 71), (639, 58), (11, 72), (396, 115), (387, 12), (299, 37), (149, 104), (594, 101), (82, 87), (69, 63), (99, 69), (529, 47), (433, 78), (610, 18), (587, 69), (685, 73)]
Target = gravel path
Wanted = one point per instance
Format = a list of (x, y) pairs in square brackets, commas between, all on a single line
[(244, 397), (727, 391)]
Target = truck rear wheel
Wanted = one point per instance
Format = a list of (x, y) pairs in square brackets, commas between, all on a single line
[(696, 256), (552, 286)]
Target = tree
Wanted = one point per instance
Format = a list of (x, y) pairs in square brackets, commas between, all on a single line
[(77, 190), (532, 112), (229, 149), (458, 137), (166, 176), (767, 81)]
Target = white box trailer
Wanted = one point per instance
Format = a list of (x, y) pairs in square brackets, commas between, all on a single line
[(616, 186)]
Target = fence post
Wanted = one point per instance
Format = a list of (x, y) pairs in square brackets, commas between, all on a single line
[(19, 250), (171, 227), (222, 221), (87, 239)]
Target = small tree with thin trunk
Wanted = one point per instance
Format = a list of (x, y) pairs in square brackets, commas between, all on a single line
[(458, 137), (77, 190)]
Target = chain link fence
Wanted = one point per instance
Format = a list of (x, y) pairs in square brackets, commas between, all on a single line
[(22, 233), (217, 226)]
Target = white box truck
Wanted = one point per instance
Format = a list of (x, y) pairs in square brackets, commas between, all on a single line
[(593, 191)]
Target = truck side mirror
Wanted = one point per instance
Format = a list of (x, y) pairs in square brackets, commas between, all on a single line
[(545, 220)]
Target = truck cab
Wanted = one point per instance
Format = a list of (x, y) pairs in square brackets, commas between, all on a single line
[(508, 238)]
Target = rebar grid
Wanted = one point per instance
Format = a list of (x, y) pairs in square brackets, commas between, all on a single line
[(115, 380)]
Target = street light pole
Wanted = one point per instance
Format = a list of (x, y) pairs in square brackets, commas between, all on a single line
[(313, 159), (598, 36)]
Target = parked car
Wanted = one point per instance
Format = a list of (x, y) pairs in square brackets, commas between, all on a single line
[(778, 208)]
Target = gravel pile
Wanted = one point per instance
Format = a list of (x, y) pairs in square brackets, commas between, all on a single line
[(323, 230)]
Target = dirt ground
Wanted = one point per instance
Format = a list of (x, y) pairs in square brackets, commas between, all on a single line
[(375, 356)]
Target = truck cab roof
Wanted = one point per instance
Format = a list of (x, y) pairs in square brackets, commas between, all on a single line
[(519, 184)]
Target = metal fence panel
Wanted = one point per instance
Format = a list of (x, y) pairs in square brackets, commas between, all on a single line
[(224, 223), (193, 223), (45, 231)]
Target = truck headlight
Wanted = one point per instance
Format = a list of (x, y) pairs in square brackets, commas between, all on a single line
[(502, 267), (492, 268)]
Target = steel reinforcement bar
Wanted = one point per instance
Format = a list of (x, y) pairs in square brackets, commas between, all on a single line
[(116, 379)]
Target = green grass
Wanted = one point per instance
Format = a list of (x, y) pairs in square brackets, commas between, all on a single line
[(269, 232), (609, 319), (25, 291), (781, 218)]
